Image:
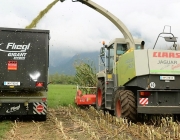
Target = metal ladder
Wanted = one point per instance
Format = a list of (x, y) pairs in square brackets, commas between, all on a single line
[(109, 83), (108, 92)]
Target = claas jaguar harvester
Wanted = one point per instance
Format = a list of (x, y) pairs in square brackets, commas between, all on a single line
[(134, 81), (24, 62)]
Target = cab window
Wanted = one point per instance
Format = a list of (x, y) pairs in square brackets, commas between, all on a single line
[(121, 48), (111, 57), (138, 46)]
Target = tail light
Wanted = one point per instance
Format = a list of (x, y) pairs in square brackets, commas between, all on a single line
[(144, 93), (39, 84), (44, 99)]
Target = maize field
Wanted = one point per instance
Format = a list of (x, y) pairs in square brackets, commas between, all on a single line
[(71, 123)]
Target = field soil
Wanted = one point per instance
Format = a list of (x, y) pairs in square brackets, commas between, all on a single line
[(70, 123)]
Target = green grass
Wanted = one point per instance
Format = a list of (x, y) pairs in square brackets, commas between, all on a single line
[(61, 95), (4, 127)]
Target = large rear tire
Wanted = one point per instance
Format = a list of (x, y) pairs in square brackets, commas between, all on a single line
[(100, 95), (125, 105)]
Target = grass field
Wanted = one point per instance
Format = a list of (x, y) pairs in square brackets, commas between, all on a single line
[(61, 95), (58, 95), (4, 127)]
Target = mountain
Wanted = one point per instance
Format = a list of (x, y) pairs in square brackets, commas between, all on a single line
[(66, 66)]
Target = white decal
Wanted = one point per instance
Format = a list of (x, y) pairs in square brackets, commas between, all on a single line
[(13, 109), (12, 51), (13, 46), (34, 76), (18, 52), (152, 85)]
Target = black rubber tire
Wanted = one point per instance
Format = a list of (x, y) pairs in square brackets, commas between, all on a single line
[(125, 105), (100, 101)]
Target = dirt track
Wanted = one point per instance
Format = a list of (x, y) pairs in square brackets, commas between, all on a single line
[(69, 123)]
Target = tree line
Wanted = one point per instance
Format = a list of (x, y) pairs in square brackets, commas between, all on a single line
[(85, 75), (62, 79)]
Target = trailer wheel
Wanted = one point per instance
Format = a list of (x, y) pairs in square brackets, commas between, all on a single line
[(125, 104), (100, 95)]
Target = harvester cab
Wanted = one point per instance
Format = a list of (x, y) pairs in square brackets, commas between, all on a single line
[(109, 54)]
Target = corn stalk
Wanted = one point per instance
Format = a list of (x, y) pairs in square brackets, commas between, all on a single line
[(85, 76)]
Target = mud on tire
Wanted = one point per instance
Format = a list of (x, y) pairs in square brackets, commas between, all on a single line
[(100, 95), (125, 105)]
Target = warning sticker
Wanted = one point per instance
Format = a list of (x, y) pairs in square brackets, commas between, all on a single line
[(39, 108), (12, 65), (143, 101)]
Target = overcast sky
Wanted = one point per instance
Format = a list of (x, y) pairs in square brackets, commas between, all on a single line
[(75, 27)]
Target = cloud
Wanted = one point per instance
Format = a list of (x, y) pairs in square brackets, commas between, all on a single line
[(74, 27)]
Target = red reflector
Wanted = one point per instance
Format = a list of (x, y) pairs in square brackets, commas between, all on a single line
[(44, 99), (144, 93), (12, 65), (39, 84)]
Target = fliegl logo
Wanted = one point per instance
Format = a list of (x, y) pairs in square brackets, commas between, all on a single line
[(18, 52)]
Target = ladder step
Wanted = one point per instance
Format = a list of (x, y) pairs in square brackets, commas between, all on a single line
[(109, 91), (108, 108)]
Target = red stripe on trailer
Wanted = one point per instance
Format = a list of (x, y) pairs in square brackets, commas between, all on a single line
[(143, 101)]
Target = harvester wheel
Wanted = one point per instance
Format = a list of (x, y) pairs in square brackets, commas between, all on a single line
[(100, 95), (125, 104)]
